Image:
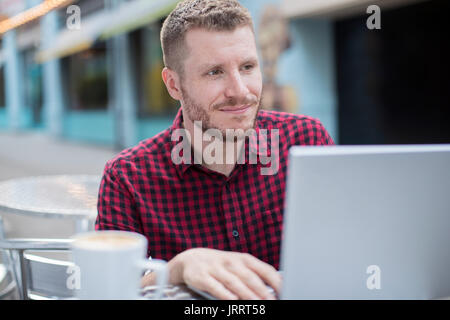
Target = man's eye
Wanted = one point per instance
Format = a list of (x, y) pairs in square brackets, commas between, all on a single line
[(214, 72), (248, 67)]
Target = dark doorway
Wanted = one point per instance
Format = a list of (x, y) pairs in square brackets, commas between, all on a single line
[(393, 84)]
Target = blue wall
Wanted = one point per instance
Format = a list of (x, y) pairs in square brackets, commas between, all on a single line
[(92, 126), (3, 118), (25, 118), (313, 75), (147, 128)]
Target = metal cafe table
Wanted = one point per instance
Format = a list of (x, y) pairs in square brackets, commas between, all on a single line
[(58, 196)]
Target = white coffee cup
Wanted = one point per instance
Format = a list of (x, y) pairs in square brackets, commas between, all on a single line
[(111, 265)]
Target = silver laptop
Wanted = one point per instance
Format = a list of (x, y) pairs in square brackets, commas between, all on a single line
[(367, 222)]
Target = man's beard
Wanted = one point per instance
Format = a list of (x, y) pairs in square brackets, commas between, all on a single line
[(195, 112)]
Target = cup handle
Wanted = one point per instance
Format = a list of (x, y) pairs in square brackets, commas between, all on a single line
[(160, 267)]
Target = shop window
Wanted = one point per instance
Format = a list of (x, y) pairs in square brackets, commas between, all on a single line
[(154, 100), (87, 79)]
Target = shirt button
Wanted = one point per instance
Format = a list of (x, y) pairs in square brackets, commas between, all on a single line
[(235, 233)]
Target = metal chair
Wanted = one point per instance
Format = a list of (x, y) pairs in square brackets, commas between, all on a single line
[(7, 281), (37, 277), (7, 284)]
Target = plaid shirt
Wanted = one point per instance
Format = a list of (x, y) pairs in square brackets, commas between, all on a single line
[(183, 206)]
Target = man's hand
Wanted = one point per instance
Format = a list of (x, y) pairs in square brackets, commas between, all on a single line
[(223, 274)]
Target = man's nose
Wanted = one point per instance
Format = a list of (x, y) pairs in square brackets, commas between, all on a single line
[(236, 87)]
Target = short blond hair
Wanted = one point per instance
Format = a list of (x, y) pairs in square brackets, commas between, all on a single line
[(211, 15)]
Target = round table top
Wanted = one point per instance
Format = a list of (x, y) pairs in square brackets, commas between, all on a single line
[(60, 196)]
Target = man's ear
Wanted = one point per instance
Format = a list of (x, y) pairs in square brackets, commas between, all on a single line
[(172, 81)]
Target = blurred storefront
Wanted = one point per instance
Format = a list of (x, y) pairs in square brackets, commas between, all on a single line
[(99, 83), (21, 76), (102, 83)]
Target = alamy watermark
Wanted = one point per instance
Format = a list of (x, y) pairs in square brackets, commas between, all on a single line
[(217, 144), (374, 280), (73, 281), (374, 20), (73, 21)]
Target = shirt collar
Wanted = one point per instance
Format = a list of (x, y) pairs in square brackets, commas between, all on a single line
[(178, 124)]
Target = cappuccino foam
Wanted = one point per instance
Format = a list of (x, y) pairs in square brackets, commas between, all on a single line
[(106, 242)]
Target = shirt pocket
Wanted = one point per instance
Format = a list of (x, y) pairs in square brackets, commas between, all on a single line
[(273, 224), (273, 216), (273, 232)]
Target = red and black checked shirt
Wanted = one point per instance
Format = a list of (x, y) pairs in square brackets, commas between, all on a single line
[(178, 207)]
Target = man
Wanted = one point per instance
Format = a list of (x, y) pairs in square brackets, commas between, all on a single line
[(218, 223)]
